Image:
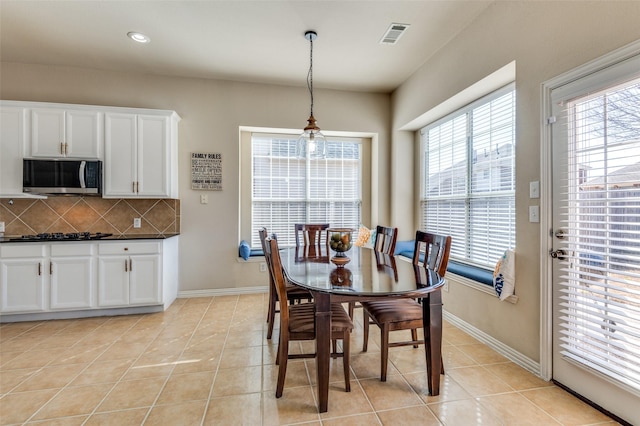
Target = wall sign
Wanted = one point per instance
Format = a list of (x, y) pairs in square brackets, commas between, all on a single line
[(206, 171)]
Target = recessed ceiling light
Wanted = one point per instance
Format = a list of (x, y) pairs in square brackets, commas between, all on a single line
[(139, 37)]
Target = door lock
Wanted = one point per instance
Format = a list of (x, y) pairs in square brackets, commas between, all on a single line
[(560, 234), (558, 254)]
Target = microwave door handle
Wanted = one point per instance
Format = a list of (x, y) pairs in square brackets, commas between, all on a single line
[(83, 165)]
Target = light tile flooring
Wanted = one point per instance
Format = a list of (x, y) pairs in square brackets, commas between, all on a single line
[(207, 361)]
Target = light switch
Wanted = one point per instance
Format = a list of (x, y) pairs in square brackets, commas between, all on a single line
[(534, 214), (534, 189), (204, 199)]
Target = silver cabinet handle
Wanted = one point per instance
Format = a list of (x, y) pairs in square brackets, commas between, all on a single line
[(126, 267)]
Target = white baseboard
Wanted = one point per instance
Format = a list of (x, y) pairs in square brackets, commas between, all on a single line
[(504, 350), (223, 292)]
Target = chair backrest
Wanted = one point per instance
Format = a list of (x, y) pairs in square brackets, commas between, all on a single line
[(432, 251), (263, 240), (274, 263), (311, 234), (385, 239)]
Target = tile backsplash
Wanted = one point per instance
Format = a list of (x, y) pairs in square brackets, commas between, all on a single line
[(79, 214)]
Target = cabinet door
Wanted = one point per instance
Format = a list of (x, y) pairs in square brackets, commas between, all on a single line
[(120, 162), (113, 281), (153, 156), (72, 282), (22, 284), (144, 280), (83, 134), (12, 137), (47, 133)]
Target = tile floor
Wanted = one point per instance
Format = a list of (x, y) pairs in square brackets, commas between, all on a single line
[(207, 361)]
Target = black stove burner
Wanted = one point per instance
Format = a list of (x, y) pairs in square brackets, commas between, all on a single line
[(59, 236)]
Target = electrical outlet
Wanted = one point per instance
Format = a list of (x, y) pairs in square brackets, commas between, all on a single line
[(446, 286), (204, 199), (1, 226), (263, 267), (137, 222)]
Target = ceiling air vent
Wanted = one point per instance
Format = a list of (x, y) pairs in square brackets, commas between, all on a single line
[(394, 33)]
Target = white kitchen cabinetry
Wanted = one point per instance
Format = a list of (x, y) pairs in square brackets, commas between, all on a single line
[(141, 155), (130, 273), (87, 278), (22, 278), (68, 133), (12, 138), (72, 270)]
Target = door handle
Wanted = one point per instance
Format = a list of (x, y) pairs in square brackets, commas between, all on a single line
[(558, 254)]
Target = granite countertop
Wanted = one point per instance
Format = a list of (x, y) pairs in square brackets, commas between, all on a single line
[(125, 237)]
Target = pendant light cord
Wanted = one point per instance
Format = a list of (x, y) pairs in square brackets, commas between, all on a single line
[(310, 73)]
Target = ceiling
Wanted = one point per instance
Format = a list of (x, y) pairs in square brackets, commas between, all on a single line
[(252, 41)]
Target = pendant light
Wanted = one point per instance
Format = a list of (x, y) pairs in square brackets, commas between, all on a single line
[(311, 144)]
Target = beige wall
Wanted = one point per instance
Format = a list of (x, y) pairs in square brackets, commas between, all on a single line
[(545, 39), (212, 112)]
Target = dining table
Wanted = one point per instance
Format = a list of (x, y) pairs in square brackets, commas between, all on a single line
[(369, 275)]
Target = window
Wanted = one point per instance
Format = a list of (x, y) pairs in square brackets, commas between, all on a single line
[(287, 190), (468, 178)]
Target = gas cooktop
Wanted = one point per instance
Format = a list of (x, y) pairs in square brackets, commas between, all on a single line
[(59, 236)]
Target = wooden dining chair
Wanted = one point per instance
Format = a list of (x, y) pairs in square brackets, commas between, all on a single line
[(294, 293), (311, 234), (385, 243), (431, 251), (297, 322)]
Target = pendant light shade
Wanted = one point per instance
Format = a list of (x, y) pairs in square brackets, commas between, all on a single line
[(311, 144)]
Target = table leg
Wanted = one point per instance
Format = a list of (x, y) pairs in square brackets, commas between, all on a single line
[(432, 324), (323, 347)]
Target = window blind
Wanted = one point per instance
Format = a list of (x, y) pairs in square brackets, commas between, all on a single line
[(468, 172), (288, 190), (600, 279)]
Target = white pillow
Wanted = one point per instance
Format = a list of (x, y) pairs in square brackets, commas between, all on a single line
[(504, 275), (366, 237)]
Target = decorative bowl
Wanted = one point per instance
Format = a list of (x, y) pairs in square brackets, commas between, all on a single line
[(340, 241)]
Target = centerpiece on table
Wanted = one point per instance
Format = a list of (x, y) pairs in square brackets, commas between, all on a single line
[(340, 241)]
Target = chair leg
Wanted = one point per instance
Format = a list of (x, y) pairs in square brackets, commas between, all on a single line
[(384, 351), (334, 348), (345, 360), (365, 330), (283, 349), (352, 306), (414, 336), (441, 366), (271, 318)]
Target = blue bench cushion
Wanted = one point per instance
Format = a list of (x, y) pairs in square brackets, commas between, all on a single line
[(244, 250)]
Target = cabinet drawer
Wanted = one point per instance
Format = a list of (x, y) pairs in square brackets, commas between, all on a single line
[(8, 251), (129, 248), (72, 249)]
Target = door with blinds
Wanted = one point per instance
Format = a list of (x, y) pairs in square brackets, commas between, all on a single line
[(596, 237)]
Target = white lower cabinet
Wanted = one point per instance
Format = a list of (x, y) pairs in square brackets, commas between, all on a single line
[(130, 273), (54, 278), (72, 269), (22, 278), (40, 277)]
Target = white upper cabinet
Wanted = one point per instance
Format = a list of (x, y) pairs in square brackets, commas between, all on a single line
[(66, 133), (12, 140), (140, 156)]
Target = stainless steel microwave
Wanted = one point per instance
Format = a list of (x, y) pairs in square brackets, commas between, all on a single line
[(63, 176)]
